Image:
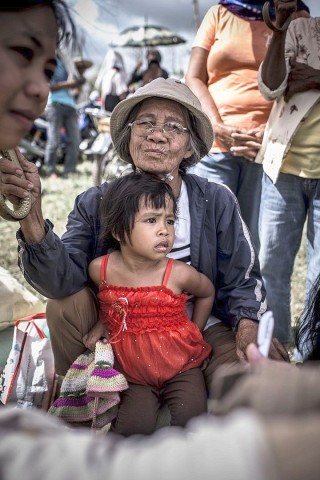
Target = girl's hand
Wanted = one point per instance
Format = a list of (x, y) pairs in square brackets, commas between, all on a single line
[(91, 338)]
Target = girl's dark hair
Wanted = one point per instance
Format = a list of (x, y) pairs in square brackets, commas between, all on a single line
[(196, 144), (121, 202), (61, 11), (307, 336)]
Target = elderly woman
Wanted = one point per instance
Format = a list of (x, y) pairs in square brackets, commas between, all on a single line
[(161, 129)]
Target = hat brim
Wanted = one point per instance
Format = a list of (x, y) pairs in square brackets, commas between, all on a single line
[(122, 111)]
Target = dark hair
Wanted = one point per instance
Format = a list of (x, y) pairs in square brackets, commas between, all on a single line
[(121, 202), (197, 145), (307, 336), (61, 11), (153, 62), (155, 53)]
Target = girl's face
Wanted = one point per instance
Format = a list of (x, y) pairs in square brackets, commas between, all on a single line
[(152, 235), (28, 40)]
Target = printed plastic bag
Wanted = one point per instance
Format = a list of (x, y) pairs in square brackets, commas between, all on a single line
[(28, 378)]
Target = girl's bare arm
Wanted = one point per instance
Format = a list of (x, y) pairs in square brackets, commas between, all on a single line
[(198, 285)]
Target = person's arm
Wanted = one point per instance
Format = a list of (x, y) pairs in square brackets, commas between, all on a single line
[(59, 267), (54, 87), (137, 74), (197, 80), (15, 184), (197, 284), (274, 69)]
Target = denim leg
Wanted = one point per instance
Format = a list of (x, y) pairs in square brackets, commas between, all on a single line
[(55, 120), (244, 180), (312, 190), (73, 139), (282, 215)]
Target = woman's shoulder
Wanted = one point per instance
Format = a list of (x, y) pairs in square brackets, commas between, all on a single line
[(217, 12), (90, 199), (208, 187)]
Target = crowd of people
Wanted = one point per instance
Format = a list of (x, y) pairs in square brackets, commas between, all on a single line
[(176, 266)]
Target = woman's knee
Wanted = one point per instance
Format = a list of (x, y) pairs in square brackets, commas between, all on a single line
[(79, 310)]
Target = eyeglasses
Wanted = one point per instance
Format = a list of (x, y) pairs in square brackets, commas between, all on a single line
[(143, 128)]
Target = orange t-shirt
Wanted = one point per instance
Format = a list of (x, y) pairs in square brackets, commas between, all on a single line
[(236, 49)]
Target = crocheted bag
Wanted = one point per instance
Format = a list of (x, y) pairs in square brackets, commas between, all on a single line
[(105, 379), (78, 405)]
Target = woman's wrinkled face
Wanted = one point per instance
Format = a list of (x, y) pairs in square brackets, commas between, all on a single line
[(28, 40), (157, 153)]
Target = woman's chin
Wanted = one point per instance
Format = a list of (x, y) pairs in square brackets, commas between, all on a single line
[(9, 140)]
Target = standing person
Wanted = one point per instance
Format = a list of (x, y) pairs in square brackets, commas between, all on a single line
[(161, 129), (229, 46), (111, 80), (290, 75), (142, 297), (62, 113), (154, 70)]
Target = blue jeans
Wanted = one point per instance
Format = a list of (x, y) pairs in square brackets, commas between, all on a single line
[(285, 207), (59, 116), (244, 180)]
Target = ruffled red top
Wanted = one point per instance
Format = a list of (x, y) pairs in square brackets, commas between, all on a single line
[(152, 337)]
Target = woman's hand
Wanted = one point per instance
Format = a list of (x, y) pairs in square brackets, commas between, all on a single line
[(247, 144), (239, 141), (284, 8), (223, 133), (19, 182), (301, 78), (91, 338), (247, 333)]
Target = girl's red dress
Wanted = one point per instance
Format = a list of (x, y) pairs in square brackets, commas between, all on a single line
[(152, 337)]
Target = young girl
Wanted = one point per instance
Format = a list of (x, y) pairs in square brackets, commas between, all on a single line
[(143, 306)]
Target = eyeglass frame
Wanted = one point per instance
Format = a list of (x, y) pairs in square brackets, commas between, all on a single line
[(153, 127)]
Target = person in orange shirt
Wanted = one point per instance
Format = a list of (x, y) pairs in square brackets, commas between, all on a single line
[(227, 51)]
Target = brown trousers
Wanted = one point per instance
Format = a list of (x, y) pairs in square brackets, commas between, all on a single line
[(184, 395), (70, 318)]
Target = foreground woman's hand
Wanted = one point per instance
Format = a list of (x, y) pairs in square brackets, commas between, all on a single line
[(91, 338), (247, 333), (19, 182)]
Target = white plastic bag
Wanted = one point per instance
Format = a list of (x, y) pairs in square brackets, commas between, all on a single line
[(27, 380)]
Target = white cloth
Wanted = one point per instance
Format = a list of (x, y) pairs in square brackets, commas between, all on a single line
[(181, 246), (15, 300), (38, 447), (111, 80), (302, 43)]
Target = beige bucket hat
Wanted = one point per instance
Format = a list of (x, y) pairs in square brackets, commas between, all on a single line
[(171, 89)]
